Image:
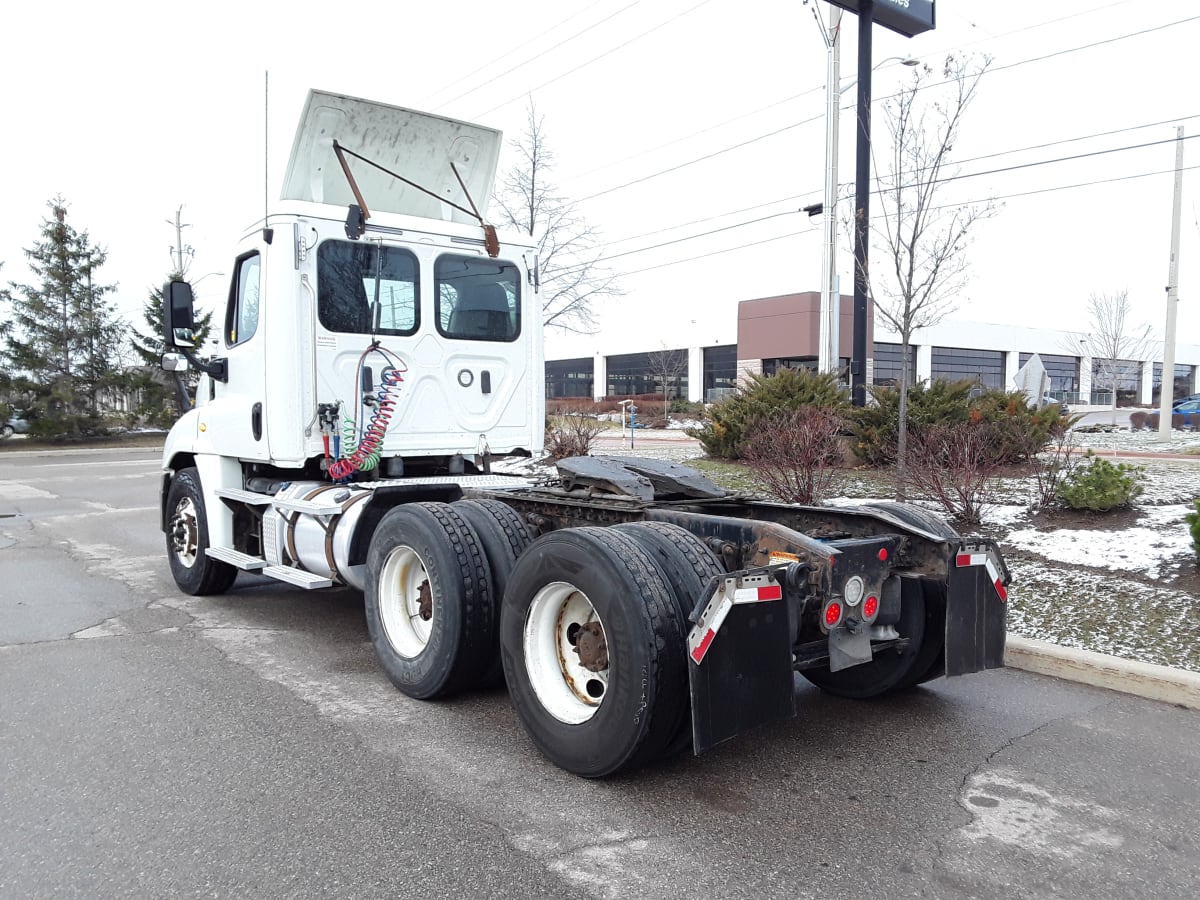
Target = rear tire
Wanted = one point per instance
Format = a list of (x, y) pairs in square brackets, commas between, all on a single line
[(429, 600), (590, 712), (504, 537), (193, 569), (688, 565), (891, 670)]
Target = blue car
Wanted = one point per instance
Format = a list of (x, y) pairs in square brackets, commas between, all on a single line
[(1185, 414)]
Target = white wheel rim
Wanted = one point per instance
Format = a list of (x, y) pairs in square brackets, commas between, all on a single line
[(566, 689), (400, 602), (185, 532)]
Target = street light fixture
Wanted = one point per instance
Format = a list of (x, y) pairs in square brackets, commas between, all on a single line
[(828, 352)]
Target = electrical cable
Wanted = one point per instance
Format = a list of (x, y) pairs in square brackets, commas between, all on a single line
[(363, 445)]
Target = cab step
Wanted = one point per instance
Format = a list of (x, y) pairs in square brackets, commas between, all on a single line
[(298, 577), (236, 558)]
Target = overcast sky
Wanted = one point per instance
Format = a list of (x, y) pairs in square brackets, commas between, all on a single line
[(668, 119)]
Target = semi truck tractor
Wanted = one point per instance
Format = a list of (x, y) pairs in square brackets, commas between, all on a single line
[(379, 369)]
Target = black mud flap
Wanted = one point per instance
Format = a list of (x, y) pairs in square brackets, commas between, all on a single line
[(976, 608), (740, 659)]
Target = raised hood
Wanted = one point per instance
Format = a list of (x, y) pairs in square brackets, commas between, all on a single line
[(416, 145)]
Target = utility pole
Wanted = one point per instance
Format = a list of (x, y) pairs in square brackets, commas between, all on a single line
[(177, 253), (829, 351), (1167, 393)]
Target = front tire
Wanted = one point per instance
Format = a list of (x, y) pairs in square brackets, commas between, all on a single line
[(593, 650), (193, 569), (429, 601)]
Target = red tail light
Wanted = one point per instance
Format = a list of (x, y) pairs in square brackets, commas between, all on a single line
[(870, 607), (833, 613)]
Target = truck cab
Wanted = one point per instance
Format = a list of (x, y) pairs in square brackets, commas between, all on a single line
[(395, 325)]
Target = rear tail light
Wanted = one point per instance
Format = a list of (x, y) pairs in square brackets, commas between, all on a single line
[(832, 614), (870, 607)]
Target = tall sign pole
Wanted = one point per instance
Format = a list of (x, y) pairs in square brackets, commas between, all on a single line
[(1167, 392), (909, 18)]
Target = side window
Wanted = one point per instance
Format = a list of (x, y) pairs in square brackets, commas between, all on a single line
[(241, 316), (362, 284), (478, 299)]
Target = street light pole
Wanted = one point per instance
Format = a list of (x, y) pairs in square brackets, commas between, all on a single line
[(862, 203), (829, 351), (1167, 391)]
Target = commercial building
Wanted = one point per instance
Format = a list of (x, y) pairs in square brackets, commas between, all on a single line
[(782, 332)]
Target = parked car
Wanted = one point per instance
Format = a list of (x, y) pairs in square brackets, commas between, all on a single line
[(13, 425), (1190, 398), (1063, 409), (1184, 414)]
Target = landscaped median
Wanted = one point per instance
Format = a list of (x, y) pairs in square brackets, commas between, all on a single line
[(1125, 675)]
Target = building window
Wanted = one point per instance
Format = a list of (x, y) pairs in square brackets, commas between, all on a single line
[(984, 367), (720, 372), (569, 378), (889, 364), (658, 372), (1183, 381), (1063, 370), (772, 366), (1124, 374)]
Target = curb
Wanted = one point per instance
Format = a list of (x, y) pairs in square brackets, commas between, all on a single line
[(1086, 667)]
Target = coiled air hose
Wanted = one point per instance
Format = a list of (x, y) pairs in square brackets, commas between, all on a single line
[(362, 451)]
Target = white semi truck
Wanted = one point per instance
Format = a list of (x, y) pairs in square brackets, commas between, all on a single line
[(381, 350)]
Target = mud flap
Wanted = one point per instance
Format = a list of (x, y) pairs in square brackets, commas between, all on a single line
[(740, 660), (976, 608)]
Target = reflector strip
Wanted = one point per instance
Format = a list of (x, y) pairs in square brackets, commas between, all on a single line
[(758, 595), (970, 559), (995, 576), (702, 648), (702, 635)]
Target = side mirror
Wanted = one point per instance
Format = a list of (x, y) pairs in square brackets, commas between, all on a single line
[(178, 318), (174, 362)]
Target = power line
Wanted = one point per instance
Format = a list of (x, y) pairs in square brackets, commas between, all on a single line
[(815, 191), (1063, 187), (719, 252), (582, 65), (779, 131), (526, 62), (511, 51)]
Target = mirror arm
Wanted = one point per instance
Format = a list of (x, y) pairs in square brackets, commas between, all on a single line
[(217, 368)]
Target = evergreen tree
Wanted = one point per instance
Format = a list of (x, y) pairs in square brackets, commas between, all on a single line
[(64, 342), (158, 403)]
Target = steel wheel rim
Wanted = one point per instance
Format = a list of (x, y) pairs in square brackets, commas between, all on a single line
[(566, 689), (185, 532), (400, 602)]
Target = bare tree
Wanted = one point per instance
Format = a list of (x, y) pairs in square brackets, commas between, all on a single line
[(572, 279), (923, 239), (666, 366), (1114, 342)]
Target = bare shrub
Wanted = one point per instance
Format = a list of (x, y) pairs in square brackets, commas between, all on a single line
[(1052, 467), (952, 464), (570, 435), (794, 452)]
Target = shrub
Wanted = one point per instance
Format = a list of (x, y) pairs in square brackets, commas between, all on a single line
[(876, 425), (794, 452), (1193, 520), (1102, 485), (1020, 433), (952, 464), (570, 435), (724, 431)]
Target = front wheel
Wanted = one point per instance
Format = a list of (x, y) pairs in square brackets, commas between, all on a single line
[(193, 569), (593, 650), (6, 431)]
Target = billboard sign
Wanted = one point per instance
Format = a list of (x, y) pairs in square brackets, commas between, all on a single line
[(906, 17)]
